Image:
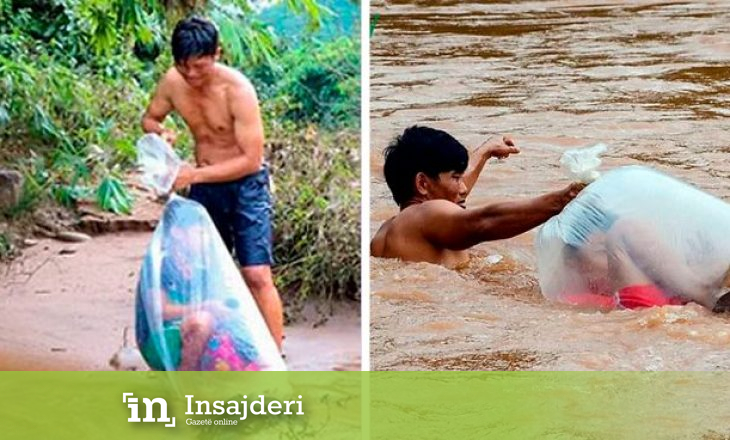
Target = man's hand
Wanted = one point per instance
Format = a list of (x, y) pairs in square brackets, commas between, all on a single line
[(571, 192), (185, 177), (168, 136), (500, 147)]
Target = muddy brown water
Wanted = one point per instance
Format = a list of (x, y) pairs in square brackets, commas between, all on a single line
[(650, 79)]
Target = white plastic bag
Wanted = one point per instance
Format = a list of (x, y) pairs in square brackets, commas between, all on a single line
[(582, 164), (158, 162), (636, 230), (193, 309)]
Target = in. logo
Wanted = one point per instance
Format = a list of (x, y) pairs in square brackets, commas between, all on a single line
[(149, 406)]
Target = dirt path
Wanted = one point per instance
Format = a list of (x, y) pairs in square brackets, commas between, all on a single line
[(65, 306)]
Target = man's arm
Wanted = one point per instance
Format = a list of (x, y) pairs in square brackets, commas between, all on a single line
[(449, 226), (157, 111), (500, 147), (249, 133)]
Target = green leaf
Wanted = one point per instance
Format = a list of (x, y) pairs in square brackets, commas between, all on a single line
[(125, 150), (67, 195), (113, 195)]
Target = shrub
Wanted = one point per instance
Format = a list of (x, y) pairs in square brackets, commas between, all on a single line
[(321, 85), (317, 216)]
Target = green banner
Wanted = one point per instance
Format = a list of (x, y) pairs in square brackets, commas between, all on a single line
[(180, 405), (377, 405), (550, 405)]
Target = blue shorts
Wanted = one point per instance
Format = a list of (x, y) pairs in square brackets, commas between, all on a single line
[(241, 210)]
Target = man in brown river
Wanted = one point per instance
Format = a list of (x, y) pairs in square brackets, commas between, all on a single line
[(430, 175), (221, 109)]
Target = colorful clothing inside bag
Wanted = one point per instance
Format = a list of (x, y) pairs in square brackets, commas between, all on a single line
[(630, 297), (647, 295), (230, 348), (221, 354), (179, 282)]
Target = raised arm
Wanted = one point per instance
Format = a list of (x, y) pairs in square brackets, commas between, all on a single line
[(249, 134), (500, 147), (452, 227)]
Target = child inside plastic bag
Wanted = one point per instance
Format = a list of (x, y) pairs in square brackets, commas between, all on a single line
[(623, 265), (636, 238), (189, 307)]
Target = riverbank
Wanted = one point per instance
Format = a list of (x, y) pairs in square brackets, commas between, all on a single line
[(65, 307)]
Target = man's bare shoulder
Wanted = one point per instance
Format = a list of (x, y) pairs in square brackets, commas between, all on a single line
[(378, 243), (405, 235), (430, 209), (236, 82), (170, 79), (413, 219)]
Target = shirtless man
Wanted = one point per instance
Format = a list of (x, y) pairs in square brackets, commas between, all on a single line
[(430, 176), (221, 109)]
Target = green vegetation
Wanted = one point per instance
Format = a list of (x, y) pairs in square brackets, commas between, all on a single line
[(76, 75), (72, 92), (294, 27), (317, 215), (6, 247), (322, 85)]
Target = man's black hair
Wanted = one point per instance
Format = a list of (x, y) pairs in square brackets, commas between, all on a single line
[(421, 150), (194, 37)]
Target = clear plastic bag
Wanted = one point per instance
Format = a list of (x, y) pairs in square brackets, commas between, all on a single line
[(193, 309), (582, 164), (636, 231), (158, 162)]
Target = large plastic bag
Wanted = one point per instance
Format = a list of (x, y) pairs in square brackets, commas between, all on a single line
[(193, 309), (632, 228)]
